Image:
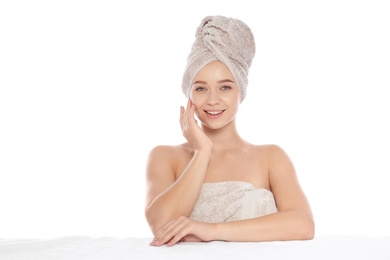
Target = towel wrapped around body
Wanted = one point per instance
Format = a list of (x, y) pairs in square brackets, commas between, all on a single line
[(232, 200)]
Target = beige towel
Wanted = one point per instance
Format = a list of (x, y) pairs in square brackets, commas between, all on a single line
[(232, 200), (228, 40)]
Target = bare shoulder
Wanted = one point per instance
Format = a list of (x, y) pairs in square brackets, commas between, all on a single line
[(164, 152), (161, 152), (271, 151), (276, 158), (168, 159)]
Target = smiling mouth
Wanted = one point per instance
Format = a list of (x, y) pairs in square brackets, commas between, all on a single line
[(214, 113)]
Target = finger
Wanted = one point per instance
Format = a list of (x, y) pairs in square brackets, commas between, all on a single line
[(173, 235), (179, 233), (192, 110), (177, 238), (188, 110), (191, 114), (181, 115), (181, 111), (162, 236), (173, 232), (189, 104)]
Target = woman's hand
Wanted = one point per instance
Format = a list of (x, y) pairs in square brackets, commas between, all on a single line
[(190, 128), (183, 229)]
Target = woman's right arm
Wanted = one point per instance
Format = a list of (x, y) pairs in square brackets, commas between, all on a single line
[(168, 198)]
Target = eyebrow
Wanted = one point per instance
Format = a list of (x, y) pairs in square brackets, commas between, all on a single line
[(221, 81)]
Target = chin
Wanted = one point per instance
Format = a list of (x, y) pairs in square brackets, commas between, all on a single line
[(214, 126)]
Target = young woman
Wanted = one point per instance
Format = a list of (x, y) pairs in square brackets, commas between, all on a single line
[(217, 186)]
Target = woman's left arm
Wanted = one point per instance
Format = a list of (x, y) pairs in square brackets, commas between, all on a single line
[(294, 219)]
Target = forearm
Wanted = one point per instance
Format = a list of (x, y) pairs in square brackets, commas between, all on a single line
[(179, 199), (288, 225)]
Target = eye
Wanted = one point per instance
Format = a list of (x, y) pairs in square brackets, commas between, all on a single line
[(200, 89), (226, 88)]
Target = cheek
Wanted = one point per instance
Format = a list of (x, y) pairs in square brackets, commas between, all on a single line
[(198, 113), (196, 100), (237, 98), (232, 100), (198, 104)]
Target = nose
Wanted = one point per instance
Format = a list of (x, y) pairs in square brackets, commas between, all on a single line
[(213, 97)]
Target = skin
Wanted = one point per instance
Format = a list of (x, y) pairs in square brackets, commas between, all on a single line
[(215, 152)]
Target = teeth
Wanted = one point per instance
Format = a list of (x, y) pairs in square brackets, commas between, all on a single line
[(214, 112)]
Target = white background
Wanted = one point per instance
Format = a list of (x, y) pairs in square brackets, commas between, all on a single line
[(87, 88)]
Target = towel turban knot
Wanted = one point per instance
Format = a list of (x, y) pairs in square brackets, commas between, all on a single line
[(223, 39)]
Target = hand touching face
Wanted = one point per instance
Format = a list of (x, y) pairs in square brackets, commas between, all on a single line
[(191, 130)]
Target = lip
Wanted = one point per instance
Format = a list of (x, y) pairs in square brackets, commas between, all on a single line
[(213, 114)]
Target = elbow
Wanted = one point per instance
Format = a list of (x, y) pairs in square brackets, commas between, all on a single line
[(151, 220), (306, 230), (156, 220)]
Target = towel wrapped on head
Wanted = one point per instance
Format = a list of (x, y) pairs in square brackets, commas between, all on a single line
[(227, 40)]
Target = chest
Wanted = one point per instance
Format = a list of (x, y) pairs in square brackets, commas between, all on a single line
[(238, 166)]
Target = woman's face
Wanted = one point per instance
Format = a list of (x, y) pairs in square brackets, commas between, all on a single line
[(215, 95)]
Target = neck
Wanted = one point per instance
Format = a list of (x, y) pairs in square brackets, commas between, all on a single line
[(224, 138)]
